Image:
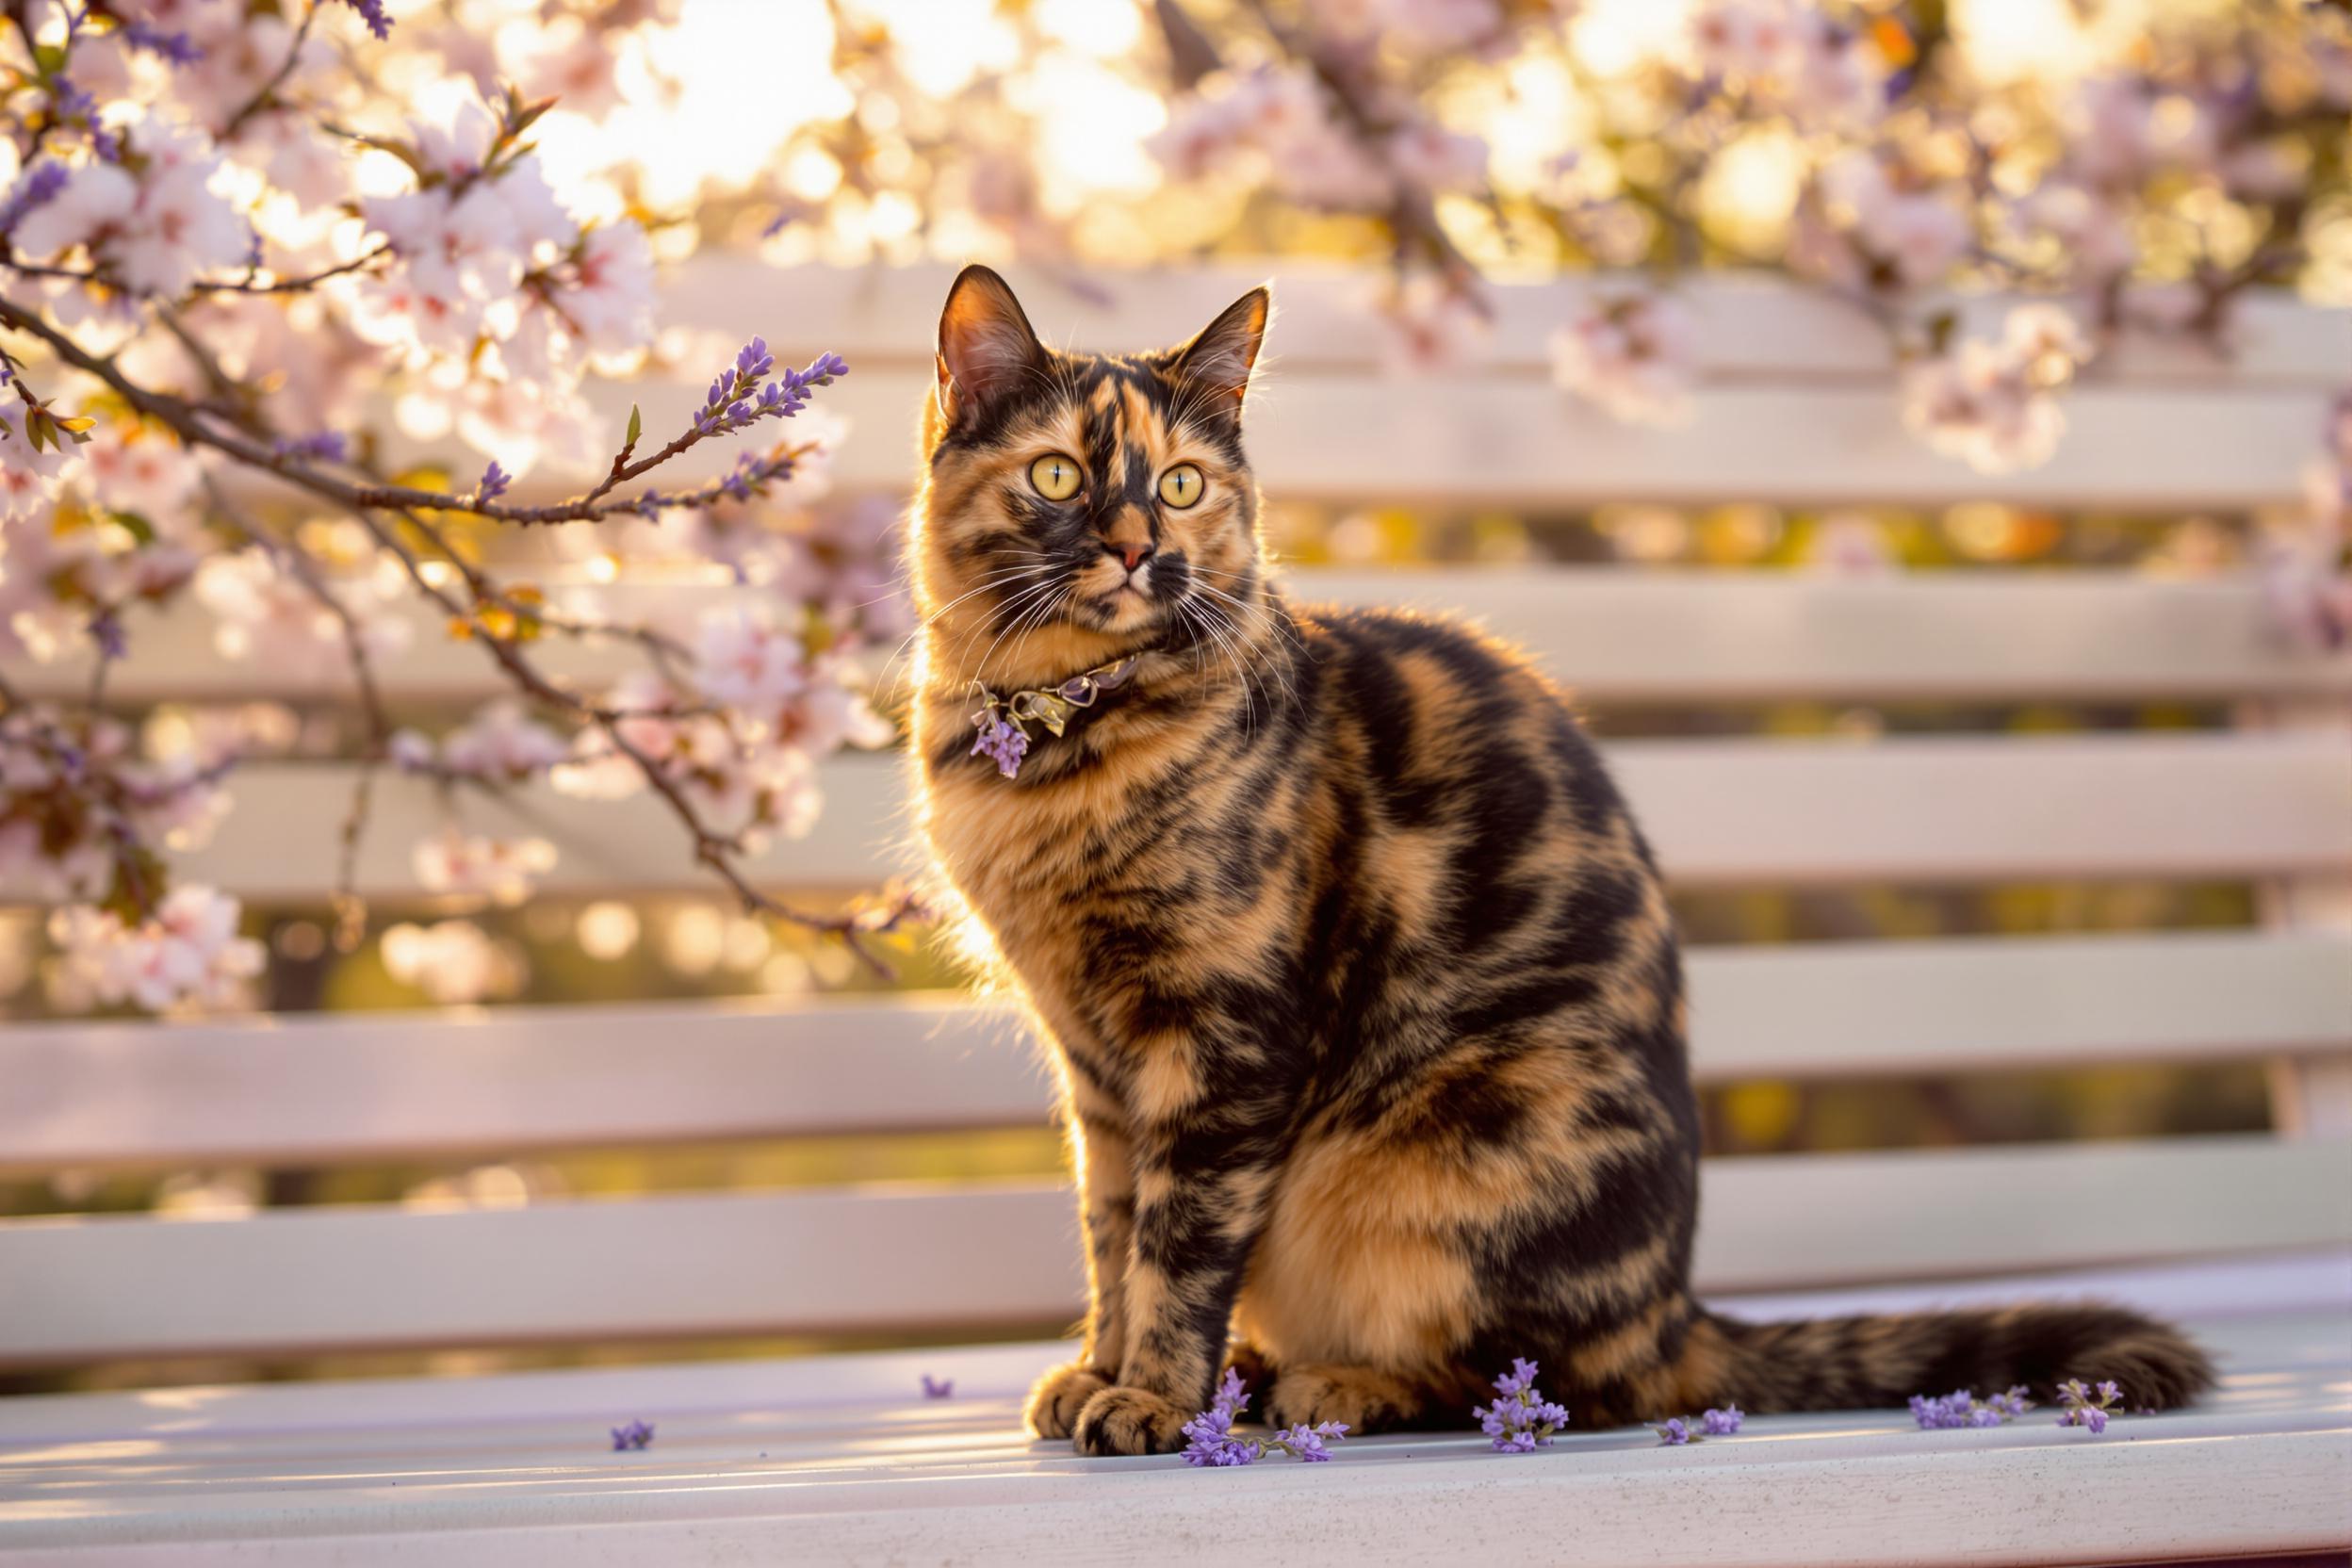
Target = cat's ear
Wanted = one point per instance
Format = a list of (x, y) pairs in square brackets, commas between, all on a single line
[(1220, 358), (987, 349)]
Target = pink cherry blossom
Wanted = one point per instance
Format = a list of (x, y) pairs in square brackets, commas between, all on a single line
[(477, 866), (1636, 355), (189, 953)]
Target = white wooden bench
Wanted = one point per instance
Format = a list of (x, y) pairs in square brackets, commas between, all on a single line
[(840, 1457)]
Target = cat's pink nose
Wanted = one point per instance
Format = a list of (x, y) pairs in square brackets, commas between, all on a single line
[(1132, 555)]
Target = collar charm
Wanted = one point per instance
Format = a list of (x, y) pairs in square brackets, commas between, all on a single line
[(1004, 721)]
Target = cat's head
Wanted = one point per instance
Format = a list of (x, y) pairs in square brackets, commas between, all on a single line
[(1080, 506)]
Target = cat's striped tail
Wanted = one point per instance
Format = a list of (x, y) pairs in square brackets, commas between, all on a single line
[(1854, 1362)]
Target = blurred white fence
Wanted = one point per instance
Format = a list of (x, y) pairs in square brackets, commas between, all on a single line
[(1795, 408)]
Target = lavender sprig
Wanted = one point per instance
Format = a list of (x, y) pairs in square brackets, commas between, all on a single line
[(1962, 1409), (938, 1388), (493, 483), (737, 398), (2087, 1407), (1519, 1420), (372, 12), (178, 48), (1678, 1431), (1211, 1443), (38, 186), (326, 447), (637, 1435)]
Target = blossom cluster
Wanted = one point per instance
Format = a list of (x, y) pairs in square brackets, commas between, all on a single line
[(187, 951), (1519, 1420), (2143, 178), (1963, 1409), (1210, 1443), (1991, 401), (2302, 560), (240, 238), (1633, 355)]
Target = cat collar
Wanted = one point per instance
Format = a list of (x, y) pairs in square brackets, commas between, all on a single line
[(1004, 721)]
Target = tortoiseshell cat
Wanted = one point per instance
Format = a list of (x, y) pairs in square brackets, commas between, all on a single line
[(1363, 992)]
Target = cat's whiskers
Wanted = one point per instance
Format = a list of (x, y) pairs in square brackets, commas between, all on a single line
[(995, 580), (1258, 613), (1006, 616), (1035, 614)]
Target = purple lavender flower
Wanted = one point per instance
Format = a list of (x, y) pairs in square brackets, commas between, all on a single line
[(178, 48), (325, 446), (1519, 1420), (1962, 1409), (1210, 1440), (938, 1388), (2011, 1405), (372, 12), (38, 185), (1308, 1443), (1675, 1433), (1003, 744), (107, 632), (2088, 1408), (493, 483), (1721, 1423), (1210, 1443), (737, 398), (635, 1435)]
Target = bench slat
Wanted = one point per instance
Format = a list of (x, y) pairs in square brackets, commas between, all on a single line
[(343, 1088), (1613, 634), (1758, 324), (1720, 812), (1352, 435), (331, 1278)]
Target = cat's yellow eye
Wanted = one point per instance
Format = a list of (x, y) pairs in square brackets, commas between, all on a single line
[(1056, 476), (1180, 485)]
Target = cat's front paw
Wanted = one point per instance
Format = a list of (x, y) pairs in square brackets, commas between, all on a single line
[(1129, 1421), (1060, 1395), (1365, 1401)]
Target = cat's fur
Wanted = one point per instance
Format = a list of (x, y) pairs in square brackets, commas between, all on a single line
[(1363, 989)]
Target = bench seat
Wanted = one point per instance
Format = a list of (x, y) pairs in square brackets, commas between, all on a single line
[(840, 1458)]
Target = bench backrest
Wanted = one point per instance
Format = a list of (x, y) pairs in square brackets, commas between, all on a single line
[(1795, 408)]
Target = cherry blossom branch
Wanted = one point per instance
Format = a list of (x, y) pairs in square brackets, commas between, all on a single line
[(267, 94), (717, 418)]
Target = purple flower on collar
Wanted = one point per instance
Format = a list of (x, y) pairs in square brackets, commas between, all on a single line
[(1723, 1423), (637, 1435), (1674, 1432), (938, 1388), (1003, 743)]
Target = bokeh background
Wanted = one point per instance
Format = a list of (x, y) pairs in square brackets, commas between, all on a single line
[(2147, 164)]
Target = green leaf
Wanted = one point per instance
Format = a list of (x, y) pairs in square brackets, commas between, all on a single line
[(636, 424), (140, 529)]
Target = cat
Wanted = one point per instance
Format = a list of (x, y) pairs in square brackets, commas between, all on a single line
[(1363, 993)]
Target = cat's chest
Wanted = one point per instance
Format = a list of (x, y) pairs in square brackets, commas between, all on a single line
[(1040, 857)]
